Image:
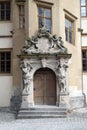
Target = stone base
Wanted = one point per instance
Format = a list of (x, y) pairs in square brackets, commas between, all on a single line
[(64, 100), (25, 102), (77, 102)]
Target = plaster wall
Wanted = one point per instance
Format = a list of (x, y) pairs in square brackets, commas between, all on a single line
[(5, 28), (5, 90), (58, 27), (84, 41), (75, 65), (83, 24), (6, 43)]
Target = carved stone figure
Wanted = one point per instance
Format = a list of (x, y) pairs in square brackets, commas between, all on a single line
[(52, 43), (26, 68), (61, 75), (59, 43)]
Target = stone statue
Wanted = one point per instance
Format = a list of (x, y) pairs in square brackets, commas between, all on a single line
[(61, 75), (26, 68), (59, 43)]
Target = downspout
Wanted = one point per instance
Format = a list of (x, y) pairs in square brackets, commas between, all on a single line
[(81, 30)]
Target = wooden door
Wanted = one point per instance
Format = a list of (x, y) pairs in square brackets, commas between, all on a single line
[(45, 87)]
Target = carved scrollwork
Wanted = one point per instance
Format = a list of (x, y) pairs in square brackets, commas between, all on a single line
[(33, 44)]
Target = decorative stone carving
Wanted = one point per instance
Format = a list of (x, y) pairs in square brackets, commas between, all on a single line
[(44, 50), (61, 74), (44, 43), (26, 69), (43, 61)]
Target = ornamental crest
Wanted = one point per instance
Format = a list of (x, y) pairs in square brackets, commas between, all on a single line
[(44, 43)]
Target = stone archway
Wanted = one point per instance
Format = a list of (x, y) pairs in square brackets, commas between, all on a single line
[(44, 50), (44, 80)]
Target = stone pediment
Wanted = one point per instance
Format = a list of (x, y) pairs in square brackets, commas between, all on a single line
[(44, 43)]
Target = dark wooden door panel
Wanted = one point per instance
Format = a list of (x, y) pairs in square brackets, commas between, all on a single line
[(45, 87)]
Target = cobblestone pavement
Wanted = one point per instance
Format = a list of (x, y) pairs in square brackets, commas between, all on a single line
[(75, 121)]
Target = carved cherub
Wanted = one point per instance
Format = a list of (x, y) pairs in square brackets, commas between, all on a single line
[(59, 43)]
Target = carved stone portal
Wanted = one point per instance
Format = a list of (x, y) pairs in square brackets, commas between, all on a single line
[(44, 51)]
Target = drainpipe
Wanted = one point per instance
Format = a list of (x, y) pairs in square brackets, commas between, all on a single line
[(81, 30)]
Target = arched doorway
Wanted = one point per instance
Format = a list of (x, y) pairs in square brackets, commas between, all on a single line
[(44, 87)]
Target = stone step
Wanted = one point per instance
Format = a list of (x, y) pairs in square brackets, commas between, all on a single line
[(23, 116), (42, 112), (44, 109)]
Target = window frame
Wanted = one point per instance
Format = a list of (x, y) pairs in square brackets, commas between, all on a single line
[(84, 59), (72, 21), (5, 51), (5, 11), (45, 7), (85, 7), (22, 15)]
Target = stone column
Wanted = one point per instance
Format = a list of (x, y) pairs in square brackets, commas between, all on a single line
[(62, 82), (27, 94)]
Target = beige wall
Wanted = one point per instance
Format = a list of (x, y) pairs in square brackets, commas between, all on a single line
[(83, 24), (58, 27), (6, 43), (5, 90), (5, 28), (18, 42), (31, 27)]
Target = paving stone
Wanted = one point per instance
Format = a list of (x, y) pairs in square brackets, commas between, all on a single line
[(76, 121)]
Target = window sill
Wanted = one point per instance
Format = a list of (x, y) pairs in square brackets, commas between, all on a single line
[(73, 44), (5, 74), (9, 21)]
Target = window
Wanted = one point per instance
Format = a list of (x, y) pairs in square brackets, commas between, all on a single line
[(5, 11), (84, 60), (21, 16), (5, 62), (44, 17), (69, 30), (83, 8)]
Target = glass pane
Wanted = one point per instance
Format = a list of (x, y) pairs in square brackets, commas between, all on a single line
[(2, 56), (2, 5), (83, 2), (8, 15), (47, 13), (70, 37), (83, 11), (8, 66), (7, 5), (84, 65), (66, 23), (2, 66), (8, 56), (66, 33), (21, 9), (48, 24), (41, 11), (70, 25), (83, 54), (2, 15), (41, 22), (21, 21)]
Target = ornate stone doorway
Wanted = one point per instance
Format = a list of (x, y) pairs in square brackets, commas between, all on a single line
[(44, 80), (50, 86)]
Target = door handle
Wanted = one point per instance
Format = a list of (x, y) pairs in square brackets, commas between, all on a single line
[(34, 89)]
